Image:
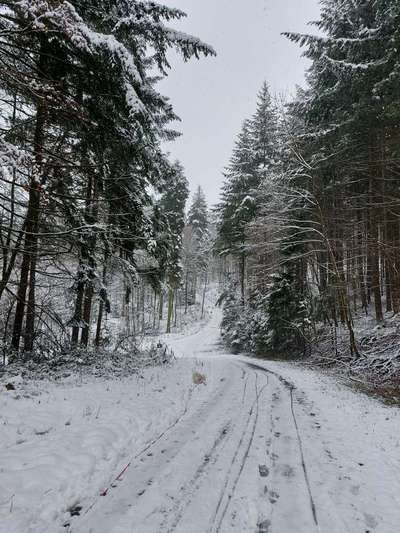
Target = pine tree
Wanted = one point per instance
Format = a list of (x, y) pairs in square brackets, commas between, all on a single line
[(198, 214), (173, 205), (197, 247), (83, 112), (345, 109), (263, 134), (254, 157)]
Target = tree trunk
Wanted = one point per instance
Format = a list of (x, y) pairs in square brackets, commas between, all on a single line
[(28, 266), (360, 264), (87, 311), (374, 252), (170, 309), (161, 307), (242, 273), (31, 307), (101, 306), (204, 295), (186, 291), (78, 311), (176, 307)]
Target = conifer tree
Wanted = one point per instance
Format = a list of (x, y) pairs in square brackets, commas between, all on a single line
[(254, 156), (197, 246), (173, 204), (83, 112)]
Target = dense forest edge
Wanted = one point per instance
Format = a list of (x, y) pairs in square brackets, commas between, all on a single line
[(99, 247), (93, 233), (309, 225)]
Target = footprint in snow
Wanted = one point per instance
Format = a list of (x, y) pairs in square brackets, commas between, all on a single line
[(264, 527), (263, 470), (273, 497)]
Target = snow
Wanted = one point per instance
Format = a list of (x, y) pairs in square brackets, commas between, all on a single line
[(12, 157), (64, 19), (353, 462), (260, 446), (62, 443), (144, 23)]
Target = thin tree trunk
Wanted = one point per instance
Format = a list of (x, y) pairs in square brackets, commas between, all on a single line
[(242, 273), (170, 309), (204, 295), (374, 253), (161, 307), (186, 291), (31, 306), (101, 307), (78, 312), (87, 311), (176, 307)]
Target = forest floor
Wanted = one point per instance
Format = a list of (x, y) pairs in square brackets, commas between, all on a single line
[(376, 370), (211, 443)]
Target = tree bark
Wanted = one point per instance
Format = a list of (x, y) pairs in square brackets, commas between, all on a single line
[(28, 266), (170, 309)]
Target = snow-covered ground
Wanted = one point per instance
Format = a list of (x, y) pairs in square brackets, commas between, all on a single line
[(62, 444), (260, 447)]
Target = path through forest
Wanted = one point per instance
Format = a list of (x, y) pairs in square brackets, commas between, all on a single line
[(272, 448)]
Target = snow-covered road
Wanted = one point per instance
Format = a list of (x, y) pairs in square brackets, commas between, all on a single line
[(265, 448)]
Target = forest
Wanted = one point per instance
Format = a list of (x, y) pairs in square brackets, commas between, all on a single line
[(177, 361), (92, 207), (310, 222), (98, 245)]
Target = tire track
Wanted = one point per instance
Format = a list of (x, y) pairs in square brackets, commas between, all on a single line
[(291, 387), (148, 446), (303, 461), (222, 507), (232, 492), (187, 490)]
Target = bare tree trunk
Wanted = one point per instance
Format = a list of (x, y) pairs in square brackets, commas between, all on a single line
[(204, 295), (155, 311), (360, 265), (101, 306), (78, 309), (374, 252), (176, 307), (161, 306), (89, 252), (28, 266), (31, 306), (242, 274), (87, 311), (170, 309), (186, 290)]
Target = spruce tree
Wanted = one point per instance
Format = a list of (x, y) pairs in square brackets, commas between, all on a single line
[(197, 247), (198, 214), (173, 204), (79, 82), (253, 158)]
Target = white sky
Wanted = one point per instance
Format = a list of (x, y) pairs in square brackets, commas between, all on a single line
[(214, 95)]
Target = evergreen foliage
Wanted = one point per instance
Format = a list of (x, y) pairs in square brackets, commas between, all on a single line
[(82, 166), (254, 156), (321, 240)]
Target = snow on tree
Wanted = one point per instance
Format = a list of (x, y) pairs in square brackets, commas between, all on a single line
[(254, 156), (80, 99)]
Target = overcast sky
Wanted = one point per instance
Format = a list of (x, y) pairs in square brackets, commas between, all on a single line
[(214, 95)]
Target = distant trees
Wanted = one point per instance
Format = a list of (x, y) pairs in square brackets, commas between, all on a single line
[(322, 242), (253, 158), (197, 247), (81, 167), (173, 203)]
